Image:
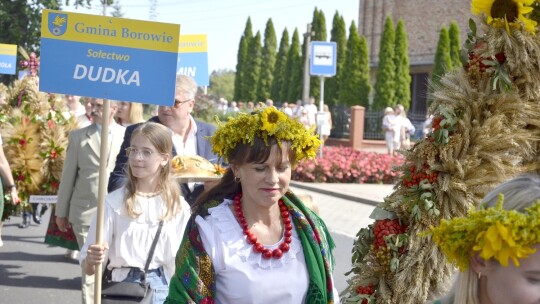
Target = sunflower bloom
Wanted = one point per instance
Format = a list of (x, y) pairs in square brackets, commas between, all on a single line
[(505, 13), (270, 119)]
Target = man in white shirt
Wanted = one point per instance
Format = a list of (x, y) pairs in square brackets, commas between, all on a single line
[(189, 135), (286, 109)]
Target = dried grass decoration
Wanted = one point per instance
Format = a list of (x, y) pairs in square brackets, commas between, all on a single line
[(34, 133), (486, 129)]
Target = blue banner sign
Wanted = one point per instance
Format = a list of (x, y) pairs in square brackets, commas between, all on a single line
[(106, 57), (193, 58), (8, 59)]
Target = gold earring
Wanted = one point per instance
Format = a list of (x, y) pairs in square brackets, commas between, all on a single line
[(479, 275)]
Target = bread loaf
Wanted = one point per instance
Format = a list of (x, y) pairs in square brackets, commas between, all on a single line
[(194, 166)]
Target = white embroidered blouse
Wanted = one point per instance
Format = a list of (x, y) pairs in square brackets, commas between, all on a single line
[(130, 239), (243, 276)]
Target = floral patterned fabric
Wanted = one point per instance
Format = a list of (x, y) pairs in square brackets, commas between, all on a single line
[(56, 237)]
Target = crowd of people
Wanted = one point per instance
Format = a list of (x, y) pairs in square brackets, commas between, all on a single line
[(248, 236), (145, 198), (306, 112)]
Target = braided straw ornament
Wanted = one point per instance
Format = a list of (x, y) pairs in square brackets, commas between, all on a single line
[(483, 135)]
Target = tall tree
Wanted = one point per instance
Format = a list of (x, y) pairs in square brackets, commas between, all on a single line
[(401, 61), (339, 36), (443, 61), (241, 58), (268, 62), (455, 45), (222, 84), (280, 66), (20, 24), (251, 71), (318, 26), (355, 86), (385, 84), (291, 87)]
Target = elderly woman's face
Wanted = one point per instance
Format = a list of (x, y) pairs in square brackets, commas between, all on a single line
[(265, 183), (512, 285)]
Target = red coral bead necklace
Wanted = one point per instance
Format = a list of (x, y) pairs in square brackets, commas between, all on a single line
[(251, 238)]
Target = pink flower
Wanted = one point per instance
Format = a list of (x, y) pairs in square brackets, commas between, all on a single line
[(345, 165)]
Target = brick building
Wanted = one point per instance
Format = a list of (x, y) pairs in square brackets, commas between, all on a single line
[(423, 20)]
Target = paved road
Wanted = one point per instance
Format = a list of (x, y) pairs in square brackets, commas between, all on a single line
[(34, 272), (344, 218)]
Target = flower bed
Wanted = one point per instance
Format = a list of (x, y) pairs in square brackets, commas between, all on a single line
[(345, 165)]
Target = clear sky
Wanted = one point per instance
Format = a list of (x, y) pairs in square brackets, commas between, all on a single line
[(223, 21)]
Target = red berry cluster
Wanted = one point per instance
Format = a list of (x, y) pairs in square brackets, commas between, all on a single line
[(436, 123), (501, 58), (54, 185), (476, 62), (414, 176), (366, 290), (386, 227)]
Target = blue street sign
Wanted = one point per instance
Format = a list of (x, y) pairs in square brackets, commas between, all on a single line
[(323, 58)]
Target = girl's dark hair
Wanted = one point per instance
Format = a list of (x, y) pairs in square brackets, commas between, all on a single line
[(227, 187)]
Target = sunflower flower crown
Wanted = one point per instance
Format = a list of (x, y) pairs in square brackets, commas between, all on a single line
[(492, 232), (265, 123)]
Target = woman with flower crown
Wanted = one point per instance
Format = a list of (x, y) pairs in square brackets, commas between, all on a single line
[(496, 247), (250, 239)]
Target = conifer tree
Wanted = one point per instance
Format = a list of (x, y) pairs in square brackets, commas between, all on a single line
[(365, 72), (443, 61), (339, 36), (289, 89), (295, 87), (319, 28), (401, 60), (385, 84), (355, 86), (268, 62), (252, 69), (240, 60), (280, 66), (455, 45)]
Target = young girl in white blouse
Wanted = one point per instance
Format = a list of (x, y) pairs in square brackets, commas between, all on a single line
[(133, 212)]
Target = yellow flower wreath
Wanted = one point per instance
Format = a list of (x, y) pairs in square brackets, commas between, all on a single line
[(265, 123), (492, 232)]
